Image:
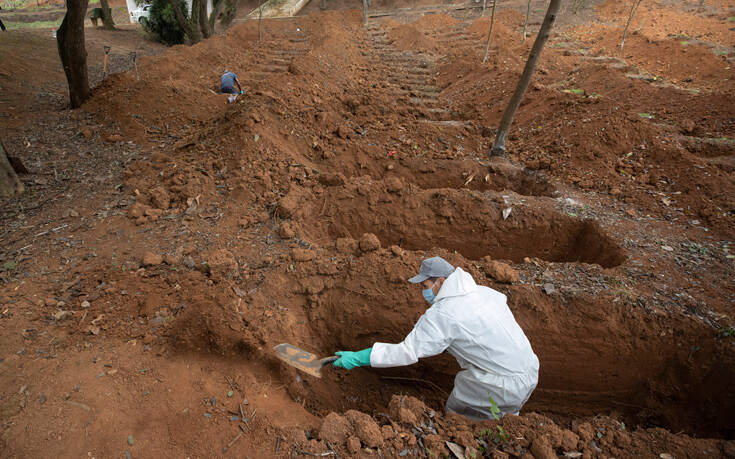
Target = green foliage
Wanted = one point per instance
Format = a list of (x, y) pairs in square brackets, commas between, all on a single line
[(693, 247), (11, 4), (494, 410), (9, 265), (502, 436), (646, 115), (162, 23), (726, 332), (33, 25)]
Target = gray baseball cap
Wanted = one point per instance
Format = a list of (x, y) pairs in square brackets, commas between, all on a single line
[(432, 267)]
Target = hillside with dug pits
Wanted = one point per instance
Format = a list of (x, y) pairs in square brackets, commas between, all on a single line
[(167, 240)]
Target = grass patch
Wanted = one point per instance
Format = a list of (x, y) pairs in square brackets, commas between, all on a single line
[(33, 25), (12, 4), (731, 19), (647, 116), (574, 91)]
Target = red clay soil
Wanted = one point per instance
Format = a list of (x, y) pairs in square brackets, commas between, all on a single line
[(189, 236)]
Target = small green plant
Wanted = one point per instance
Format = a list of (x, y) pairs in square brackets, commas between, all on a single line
[(648, 116), (693, 247), (9, 265), (494, 410), (574, 91), (731, 19), (726, 332), (502, 436)]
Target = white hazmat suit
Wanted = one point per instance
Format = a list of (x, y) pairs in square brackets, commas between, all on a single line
[(474, 324)]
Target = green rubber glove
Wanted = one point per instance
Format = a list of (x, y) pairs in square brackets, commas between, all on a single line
[(349, 360)]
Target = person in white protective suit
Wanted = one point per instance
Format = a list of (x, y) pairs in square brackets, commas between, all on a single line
[(474, 324)]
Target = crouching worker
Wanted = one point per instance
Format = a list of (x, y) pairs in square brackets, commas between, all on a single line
[(227, 86), (474, 324)]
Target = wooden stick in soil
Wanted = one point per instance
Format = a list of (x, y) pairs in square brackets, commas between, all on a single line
[(515, 101), (260, 16), (490, 32), (224, 450), (630, 18), (364, 12), (525, 24)]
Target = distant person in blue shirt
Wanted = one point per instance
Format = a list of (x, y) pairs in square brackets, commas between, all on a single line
[(227, 83)]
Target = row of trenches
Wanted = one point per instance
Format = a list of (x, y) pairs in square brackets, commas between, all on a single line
[(597, 355)]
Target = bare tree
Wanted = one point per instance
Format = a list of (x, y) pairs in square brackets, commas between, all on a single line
[(10, 185), (189, 25), (203, 20), (490, 32), (515, 101), (525, 24), (230, 11), (216, 11), (107, 21), (630, 18), (73, 54)]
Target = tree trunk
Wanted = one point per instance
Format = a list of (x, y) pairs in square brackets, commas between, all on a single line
[(525, 24), (630, 18), (70, 41), (107, 21), (364, 12), (260, 17), (10, 185), (203, 19), (230, 11), (216, 11), (490, 32), (190, 26), (515, 101)]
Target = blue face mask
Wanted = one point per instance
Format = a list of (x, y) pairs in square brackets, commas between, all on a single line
[(428, 293)]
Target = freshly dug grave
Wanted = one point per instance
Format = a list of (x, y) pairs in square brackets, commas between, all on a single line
[(296, 215)]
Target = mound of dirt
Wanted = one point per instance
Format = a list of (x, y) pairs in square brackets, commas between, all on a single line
[(407, 37), (410, 425)]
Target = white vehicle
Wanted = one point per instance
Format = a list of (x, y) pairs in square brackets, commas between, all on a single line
[(139, 13)]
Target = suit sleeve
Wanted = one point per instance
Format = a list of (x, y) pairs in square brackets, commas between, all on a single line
[(431, 336)]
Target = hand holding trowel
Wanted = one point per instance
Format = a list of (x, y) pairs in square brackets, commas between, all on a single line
[(304, 361)]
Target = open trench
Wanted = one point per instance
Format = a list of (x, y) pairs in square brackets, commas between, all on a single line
[(596, 356)]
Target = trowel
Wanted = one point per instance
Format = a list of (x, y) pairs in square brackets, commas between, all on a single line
[(304, 361)]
